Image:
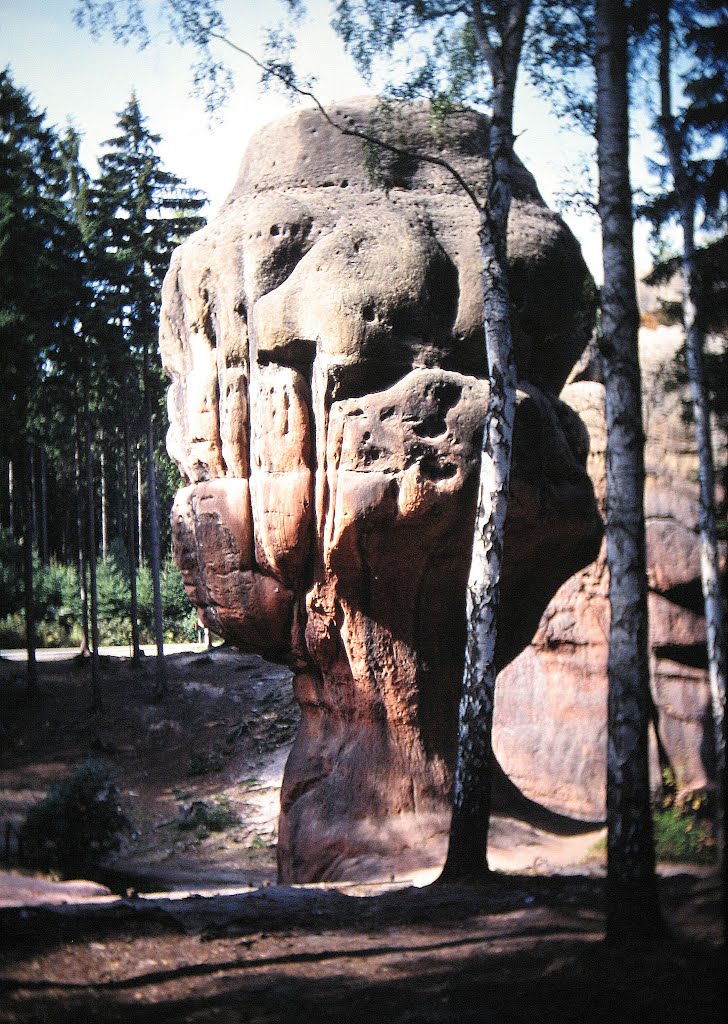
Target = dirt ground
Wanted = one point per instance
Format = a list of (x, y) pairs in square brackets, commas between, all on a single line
[(530, 947)]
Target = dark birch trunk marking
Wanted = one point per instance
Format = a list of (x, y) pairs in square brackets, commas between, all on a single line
[(632, 905)]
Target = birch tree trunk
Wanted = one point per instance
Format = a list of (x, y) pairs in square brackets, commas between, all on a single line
[(11, 500), (33, 495), (28, 591), (467, 849), (91, 551), (44, 554), (104, 502), (632, 904), (160, 686), (131, 541), (140, 511), (695, 341), (84, 649)]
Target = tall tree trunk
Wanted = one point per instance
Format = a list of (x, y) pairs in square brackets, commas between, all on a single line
[(93, 588), (160, 687), (44, 554), (11, 499), (33, 496), (80, 519), (695, 342), (104, 502), (140, 510), (28, 591), (131, 540), (632, 904), (467, 848)]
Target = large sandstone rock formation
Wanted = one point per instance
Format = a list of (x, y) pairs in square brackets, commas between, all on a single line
[(325, 343)]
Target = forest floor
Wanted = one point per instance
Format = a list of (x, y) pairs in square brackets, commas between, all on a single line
[(529, 947)]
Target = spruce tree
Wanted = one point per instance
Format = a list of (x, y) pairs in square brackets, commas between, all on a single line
[(138, 213), (40, 288)]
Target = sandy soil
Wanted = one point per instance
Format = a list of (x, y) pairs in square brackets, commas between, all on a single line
[(528, 948)]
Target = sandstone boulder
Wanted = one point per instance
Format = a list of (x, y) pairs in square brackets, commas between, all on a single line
[(325, 342), (550, 720)]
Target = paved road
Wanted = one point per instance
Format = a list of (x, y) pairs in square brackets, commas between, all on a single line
[(64, 653)]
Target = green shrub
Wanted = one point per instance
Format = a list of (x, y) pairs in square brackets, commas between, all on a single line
[(77, 824), (11, 574), (681, 837), (682, 825), (57, 600), (205, 818)]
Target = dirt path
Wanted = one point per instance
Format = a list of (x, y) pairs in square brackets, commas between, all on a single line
[(529, 949)]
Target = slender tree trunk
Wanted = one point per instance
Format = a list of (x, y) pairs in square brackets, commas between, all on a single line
[(140, 520), (467, 848), (104, 503), (131, 541), (632, 904), (160, 687), (28, 591), (80, 517), (33, 496), (44, 554), (11, 499), (695, 341), (93, 589)]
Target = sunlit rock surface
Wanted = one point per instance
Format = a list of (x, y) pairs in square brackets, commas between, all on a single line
[(324, 340)]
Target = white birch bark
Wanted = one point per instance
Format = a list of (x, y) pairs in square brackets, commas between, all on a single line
[(467, 850), (160, 684), (104, 502), (632, 906), (695, 342)]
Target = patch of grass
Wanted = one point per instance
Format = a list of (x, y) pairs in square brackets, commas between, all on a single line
[(682, 838), (683, 830)]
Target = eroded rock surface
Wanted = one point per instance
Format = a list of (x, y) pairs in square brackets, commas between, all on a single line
[(325, 343), (550, 720)]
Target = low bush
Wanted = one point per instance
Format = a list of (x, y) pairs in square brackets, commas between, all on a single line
[(77, 824), (204, 818)]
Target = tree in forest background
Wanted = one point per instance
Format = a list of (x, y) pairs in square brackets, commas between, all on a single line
[(73, 371), (40, 290), (138, 212)]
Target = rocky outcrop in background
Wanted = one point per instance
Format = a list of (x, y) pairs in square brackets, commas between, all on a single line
[(550, 719), (325, 343)]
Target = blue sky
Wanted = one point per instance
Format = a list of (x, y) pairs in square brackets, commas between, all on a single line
[(71, 75)]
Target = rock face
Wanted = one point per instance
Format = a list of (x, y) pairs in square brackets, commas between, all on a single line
[(550, 720), (325, 343)]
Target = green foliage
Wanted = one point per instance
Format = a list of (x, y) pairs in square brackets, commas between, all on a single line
[(58, 604), (204, 818), (683, 831), (77, 824), (11, 574), (681, 837)]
